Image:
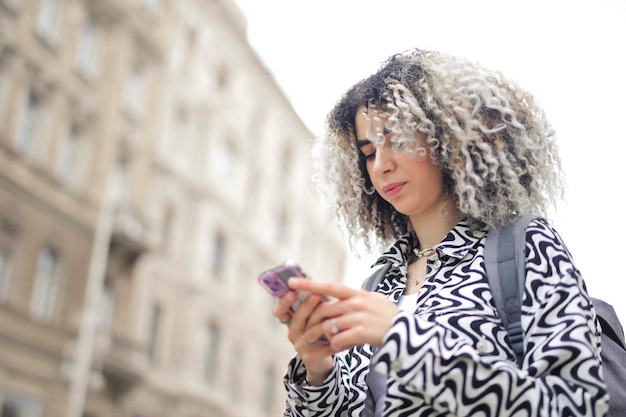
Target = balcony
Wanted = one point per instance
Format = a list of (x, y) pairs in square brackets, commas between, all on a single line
[(123, 362), (128, 241)]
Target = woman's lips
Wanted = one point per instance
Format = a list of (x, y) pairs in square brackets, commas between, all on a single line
[(393, 190)]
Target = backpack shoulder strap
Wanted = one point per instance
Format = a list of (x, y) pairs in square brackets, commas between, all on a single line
[(371, 282), (609, 321), (505, 265)]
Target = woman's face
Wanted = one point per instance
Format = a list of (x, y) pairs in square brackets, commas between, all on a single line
[(413, 185)]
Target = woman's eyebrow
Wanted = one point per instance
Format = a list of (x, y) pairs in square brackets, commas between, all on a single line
[(363, 142)]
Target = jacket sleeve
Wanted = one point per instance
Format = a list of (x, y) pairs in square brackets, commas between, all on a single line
[(327, 399), (561, 370)]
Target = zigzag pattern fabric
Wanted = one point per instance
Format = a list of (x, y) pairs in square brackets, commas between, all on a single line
[(452, 357)]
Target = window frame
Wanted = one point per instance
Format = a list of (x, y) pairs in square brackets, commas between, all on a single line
[(46, 284), (26, 406), (48, 18)]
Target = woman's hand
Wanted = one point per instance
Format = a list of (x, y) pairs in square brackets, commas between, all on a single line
[(355, 318), (315, 354)]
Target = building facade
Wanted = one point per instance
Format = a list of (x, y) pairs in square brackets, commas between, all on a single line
[(150, 168)]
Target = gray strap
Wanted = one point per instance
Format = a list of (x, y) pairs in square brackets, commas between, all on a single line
[(609, 321), (505, 265), (371, 282), (511, 294), (519, 237), (491, 269), (370, 405)]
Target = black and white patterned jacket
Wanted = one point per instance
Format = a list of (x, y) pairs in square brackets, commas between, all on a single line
[(451, 357)]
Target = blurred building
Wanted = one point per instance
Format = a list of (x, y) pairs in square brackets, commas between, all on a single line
[(150, 167)]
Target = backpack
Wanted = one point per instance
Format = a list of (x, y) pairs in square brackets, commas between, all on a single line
[(503, 248), (505, 264)]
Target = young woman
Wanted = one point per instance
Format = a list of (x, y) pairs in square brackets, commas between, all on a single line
[(424, 157)]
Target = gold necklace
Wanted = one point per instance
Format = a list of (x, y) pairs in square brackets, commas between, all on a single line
[(419, 254), (425, 252)]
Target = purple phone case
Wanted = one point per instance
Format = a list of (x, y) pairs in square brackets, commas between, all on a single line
[(275, 280)]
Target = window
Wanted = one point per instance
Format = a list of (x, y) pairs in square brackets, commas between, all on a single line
[(133, 92), (15, 405), (105, 307), (185, 50), (45, 289), (223, 167), (5, 272), (190, 48), (87, 47), (8, 237), (11, 4), (155, 333), (180, 135), (253, 191), (47, 22), (211, 352), (3, 85), (167, 229), (149, 5), (218, 253), (122, 180), (72, 156), (25, 137)]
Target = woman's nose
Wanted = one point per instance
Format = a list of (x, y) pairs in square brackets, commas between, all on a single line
[(383, 160)]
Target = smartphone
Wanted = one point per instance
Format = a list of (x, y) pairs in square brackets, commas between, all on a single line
[(274, 281)]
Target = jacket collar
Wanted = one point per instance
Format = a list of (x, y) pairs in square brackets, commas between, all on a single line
[(456, 244)]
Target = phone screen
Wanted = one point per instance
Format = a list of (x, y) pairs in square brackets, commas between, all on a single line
[(274, 280)]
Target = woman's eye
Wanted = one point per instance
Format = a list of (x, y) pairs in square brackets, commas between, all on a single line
[(367, 148), (369, 154)]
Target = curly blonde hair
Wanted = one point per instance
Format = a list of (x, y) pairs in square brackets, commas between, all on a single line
[(495, 147)]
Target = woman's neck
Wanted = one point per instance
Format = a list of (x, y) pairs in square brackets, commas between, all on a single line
[(433, 227)]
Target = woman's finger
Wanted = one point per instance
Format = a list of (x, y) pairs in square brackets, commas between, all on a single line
[(358, 301), (281, 309), (300, 318), (328, 288), (364, 318), (335, 335)]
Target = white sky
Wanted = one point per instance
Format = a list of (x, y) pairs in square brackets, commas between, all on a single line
[(570, 54)]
